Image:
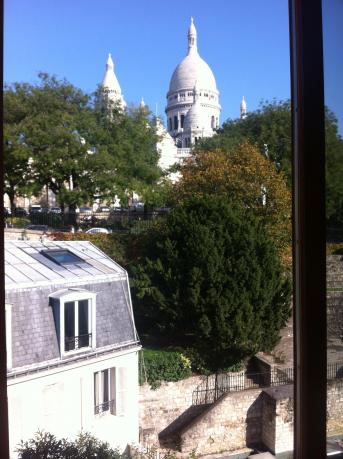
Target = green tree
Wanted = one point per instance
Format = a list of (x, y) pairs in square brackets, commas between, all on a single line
[(17, 177), (248, 179), (212, 279), (56, 138), (269, 129)]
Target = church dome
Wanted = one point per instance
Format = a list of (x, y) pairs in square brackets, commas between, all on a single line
[(192, 69)]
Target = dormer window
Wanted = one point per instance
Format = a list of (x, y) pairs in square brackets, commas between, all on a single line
[(75, 320)]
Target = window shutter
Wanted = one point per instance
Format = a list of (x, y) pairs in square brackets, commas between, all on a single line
[(96, 390), (113, 390), (121, 391)]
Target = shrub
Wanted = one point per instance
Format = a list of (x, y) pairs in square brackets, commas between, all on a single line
[(163, 365), (21, 222), (45, 445)]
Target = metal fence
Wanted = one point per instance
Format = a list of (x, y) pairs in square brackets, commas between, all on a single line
[(125, 220), (214, 386)]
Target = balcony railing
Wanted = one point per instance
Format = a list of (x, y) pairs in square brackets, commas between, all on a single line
[(106, 406), (77, 342)]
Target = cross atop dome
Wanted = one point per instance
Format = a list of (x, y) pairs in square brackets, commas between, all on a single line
[(192, 38)]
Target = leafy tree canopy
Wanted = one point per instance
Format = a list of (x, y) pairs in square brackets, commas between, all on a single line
[(55, 137), (212, 279), (243, 175), (269, 130)]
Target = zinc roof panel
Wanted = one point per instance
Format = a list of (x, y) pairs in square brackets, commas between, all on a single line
[(16, 275)]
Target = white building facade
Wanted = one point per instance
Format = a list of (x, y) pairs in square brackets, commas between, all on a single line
[(72, 347)]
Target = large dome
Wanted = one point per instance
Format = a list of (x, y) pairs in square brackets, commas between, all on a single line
[(192, 70)]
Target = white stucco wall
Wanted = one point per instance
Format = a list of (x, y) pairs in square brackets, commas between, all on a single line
[(61, 401)]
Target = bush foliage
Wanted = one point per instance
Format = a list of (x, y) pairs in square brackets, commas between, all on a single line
[(45, 445), (162, 365)]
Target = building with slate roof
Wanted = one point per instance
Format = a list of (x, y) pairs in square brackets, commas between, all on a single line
[(71, 342)]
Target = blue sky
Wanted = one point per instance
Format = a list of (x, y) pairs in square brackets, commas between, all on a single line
[(245, 43)]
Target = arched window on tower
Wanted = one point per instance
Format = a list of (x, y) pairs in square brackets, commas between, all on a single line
[(170, 124), (176, 124), (212, 122), (182, 120)]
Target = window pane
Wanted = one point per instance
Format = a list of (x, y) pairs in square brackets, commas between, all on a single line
[(105, 386), (69, 325), (69, 319), (83, 318)]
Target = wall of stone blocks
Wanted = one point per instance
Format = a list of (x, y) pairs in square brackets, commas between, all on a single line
[(284, 425), (159, 408), (232, 423), (334, 408)]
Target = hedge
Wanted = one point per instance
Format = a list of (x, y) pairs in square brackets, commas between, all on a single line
[(156, 366)]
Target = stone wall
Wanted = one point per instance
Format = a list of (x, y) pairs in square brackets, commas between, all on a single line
[(230, 424), (159, 408), (15, 234), (237, 420), (334, 408)]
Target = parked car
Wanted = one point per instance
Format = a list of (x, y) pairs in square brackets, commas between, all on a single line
[(55, 210), (103, 209), (85, 210), (98, 230), (35, 209), (20, 212)]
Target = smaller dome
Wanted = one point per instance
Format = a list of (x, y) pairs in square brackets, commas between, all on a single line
[(194, 118)]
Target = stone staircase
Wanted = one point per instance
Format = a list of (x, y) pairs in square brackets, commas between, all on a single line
[(169, 438)]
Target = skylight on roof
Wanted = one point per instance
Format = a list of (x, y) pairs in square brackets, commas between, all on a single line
[(62, 256)]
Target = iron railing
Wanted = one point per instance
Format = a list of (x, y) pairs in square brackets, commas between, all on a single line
[(72, 343), (106, 406), (214, 386), (126, 220)]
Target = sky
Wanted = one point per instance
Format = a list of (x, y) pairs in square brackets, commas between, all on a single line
[(246, 44)]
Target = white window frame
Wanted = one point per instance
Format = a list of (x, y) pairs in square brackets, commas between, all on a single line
[(76, 296)]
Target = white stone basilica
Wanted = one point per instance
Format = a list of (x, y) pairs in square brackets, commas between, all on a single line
[(192, 109), (193, 98)]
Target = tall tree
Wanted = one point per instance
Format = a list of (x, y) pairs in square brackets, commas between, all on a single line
[(57, 139), (243, 175), (269, 130), (213, 276)]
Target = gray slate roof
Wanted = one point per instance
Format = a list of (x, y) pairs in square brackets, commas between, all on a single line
[(32, 278), (25, 266)]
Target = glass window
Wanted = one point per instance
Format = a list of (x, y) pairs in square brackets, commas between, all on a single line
[(76, 325), (176, 124), (182, 120), (61, 256), (105, 391)]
